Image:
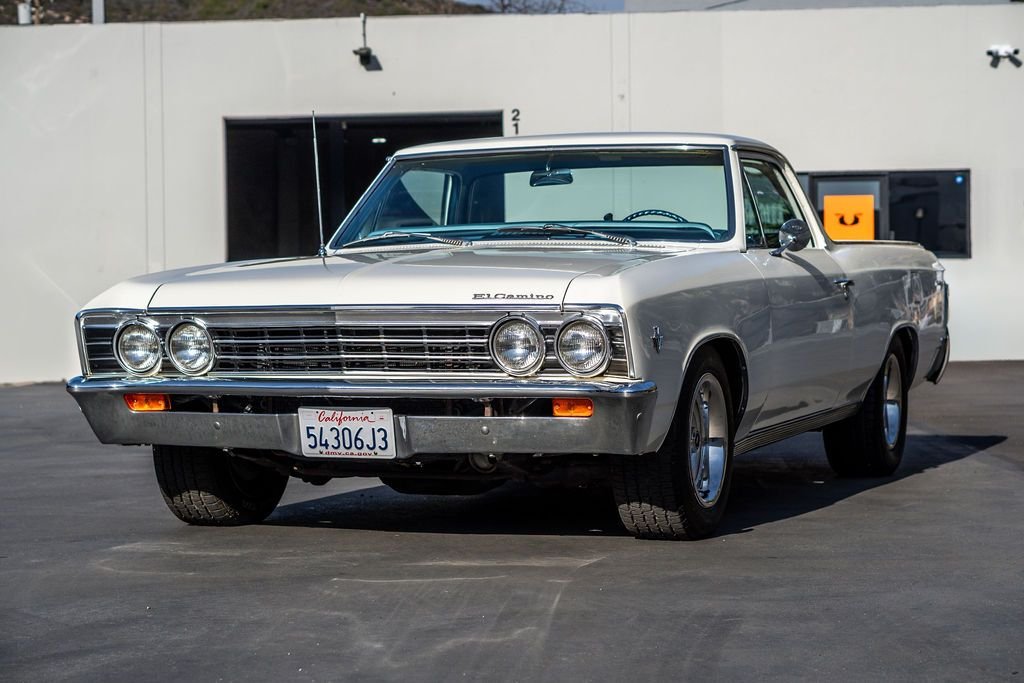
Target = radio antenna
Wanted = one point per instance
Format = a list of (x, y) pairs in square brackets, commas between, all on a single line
[(322, 252)]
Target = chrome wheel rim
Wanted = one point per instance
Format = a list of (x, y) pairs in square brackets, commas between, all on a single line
[(892, 406), (708, 440)]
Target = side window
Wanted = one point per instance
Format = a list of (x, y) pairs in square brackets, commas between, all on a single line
[(772, 196), (755, 238)]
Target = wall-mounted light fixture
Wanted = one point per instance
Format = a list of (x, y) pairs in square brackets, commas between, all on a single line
[(1000, 52), (365, 53)]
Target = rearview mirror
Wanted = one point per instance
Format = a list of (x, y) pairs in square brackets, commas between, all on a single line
[(794, 235), (557, 176)]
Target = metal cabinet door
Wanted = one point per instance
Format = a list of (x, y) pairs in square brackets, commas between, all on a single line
[(811, 333)]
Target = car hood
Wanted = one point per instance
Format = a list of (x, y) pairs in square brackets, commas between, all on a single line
[(435, 276)]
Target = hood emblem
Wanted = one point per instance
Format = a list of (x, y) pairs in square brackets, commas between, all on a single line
[(518, 297)]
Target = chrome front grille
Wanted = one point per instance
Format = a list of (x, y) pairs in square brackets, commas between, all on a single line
[(343, 348), (98, 340), (345, 343)]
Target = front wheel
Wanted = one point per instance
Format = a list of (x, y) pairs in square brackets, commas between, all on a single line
[(207, 487), (680, 492), (870, 442)]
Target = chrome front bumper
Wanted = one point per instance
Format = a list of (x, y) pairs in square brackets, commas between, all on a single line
[(620, 424)]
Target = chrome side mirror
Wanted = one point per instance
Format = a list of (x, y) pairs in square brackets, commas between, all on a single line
[(794, 235)]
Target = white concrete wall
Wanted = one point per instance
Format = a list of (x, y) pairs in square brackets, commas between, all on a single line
[(112, 142)]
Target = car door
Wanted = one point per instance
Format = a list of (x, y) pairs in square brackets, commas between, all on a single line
[(811, 316)]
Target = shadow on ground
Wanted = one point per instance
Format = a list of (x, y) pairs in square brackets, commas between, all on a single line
[(778, 483), (785, 480)]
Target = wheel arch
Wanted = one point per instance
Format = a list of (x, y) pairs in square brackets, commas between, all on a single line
[(907, 336), (730, 349)]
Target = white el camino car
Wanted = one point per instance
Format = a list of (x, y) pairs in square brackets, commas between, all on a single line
[(630, 309)]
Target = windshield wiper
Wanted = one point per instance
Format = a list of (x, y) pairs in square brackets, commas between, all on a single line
[(392, 234), (559, 229)]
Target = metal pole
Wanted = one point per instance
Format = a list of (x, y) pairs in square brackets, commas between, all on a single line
[(322, 251), (98, 15)]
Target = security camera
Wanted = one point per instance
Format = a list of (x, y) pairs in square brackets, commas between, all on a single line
[(365, 55), (1001, 52)]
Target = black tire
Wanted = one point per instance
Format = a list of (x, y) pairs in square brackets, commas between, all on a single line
[(858, 446), (441, 487), (207, 487), (654, 493)]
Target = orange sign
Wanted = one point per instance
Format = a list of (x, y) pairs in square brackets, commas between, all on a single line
[(850, 216)]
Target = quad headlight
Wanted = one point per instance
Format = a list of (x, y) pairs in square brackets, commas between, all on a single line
[(517, 346), (582, 347), (137, 347), (190, 348)]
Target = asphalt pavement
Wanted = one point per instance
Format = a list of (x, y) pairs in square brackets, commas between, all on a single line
[(915, 576)]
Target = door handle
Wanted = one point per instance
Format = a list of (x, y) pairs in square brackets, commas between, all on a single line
[(844, 284)]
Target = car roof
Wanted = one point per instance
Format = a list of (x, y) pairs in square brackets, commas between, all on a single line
[(531, 142)]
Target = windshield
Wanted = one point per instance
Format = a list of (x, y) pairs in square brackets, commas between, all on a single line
[(643, 195)]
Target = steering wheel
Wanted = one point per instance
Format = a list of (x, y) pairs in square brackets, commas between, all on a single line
[(656, 212), (674, 216)]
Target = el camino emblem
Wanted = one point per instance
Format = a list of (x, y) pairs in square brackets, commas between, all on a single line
[(500, 295)]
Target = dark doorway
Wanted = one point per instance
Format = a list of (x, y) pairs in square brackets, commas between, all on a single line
[(271, 202)]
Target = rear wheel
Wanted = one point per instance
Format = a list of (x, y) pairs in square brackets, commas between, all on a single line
[(680, 492), (205, 486), (870, 442)]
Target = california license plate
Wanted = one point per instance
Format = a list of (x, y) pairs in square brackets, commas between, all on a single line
[(344, 433)]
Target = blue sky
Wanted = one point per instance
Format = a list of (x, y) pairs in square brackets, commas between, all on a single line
[(604, 5)]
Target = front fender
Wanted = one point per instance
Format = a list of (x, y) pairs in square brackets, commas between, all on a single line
[(691, 299)]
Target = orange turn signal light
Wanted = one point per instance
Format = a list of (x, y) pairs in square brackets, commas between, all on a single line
[(148, 403), (572, 407)]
